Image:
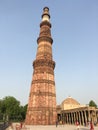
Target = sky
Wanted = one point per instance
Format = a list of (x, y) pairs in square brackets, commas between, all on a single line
[(75, 47)]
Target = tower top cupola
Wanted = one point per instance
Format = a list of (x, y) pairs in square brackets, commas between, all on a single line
[(46, 15)]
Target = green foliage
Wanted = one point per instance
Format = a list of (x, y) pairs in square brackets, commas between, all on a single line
[(92, 104), (11, 106), (23, 110), (10, 109)]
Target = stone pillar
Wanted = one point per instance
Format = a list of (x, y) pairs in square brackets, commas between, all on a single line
[(70, 118), (82, 117), (74, 118), (89, 117), (79, 118), (85, 117), (64, 118), (67, 119)]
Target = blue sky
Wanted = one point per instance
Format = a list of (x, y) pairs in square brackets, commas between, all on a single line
[(75, 47)]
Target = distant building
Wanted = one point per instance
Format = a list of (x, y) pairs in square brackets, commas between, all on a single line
[(71, 111)]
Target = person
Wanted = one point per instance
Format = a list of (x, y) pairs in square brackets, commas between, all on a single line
[(91, 126), (62, 123), (56, 123), (21, 125), (77, 124)]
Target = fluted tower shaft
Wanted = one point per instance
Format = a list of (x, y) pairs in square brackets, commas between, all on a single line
[(42, 99)]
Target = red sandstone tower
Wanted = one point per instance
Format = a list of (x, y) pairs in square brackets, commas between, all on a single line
[(42, 99)]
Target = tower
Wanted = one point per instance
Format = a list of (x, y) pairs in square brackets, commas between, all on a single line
[(42, 99)]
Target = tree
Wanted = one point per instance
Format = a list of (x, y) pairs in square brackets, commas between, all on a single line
[(92, 104), (1, 109), (23, 110), (10, 109)]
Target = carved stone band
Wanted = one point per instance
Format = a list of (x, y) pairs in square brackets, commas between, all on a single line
[(43, 94), (44, 38), (43, 81), (44, 62), (45, 23)]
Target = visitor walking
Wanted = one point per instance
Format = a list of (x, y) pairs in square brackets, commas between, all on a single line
[(56, 123), (91, 126), (77, 124)]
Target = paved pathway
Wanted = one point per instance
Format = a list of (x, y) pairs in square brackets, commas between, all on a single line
[(65, 127), (52, 127)]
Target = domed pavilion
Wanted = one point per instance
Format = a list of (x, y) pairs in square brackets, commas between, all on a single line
[(70, 111), (69, 103)]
